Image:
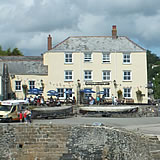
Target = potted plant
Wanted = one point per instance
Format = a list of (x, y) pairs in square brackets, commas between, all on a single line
[(119, 93), (139, 95), (25, 88)]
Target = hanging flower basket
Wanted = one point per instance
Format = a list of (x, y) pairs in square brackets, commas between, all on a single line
[(119, 92), (139, 93), (25, 88)]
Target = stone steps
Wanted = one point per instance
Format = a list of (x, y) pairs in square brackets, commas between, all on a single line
[(154, 146)]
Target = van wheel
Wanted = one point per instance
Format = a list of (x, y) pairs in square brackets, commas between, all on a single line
[(10, 120)]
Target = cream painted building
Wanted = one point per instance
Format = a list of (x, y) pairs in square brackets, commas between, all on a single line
[(21, 71), (112, 64)]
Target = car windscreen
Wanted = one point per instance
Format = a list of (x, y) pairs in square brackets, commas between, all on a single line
[(5, 108)]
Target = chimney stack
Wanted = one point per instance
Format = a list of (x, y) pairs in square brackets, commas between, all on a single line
[(49, 42), (114, 32)]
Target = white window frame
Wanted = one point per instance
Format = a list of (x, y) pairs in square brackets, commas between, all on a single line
[(106, 75), (68, 58), (87, 57), (126, 58), (106, 58), (18, 85), (127, 92), (32, 84), (60, 92), (107, 90), (127, 75), (68, 75), (87, 75)]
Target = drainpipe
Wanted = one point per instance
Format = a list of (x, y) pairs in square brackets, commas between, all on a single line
[(5, 81)]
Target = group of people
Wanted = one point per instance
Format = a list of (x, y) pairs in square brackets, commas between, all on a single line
[(26, 115), (56, 101), (53, 102), (37, 100), (99, 100), (116, 101)]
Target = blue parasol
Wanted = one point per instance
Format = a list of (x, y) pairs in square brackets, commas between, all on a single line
[(51, 91), (35, 91), (69, 92), (101, 92), (87, 91), (53, 94)]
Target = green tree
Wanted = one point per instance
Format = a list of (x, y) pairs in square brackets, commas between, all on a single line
[(153, 72), (8, 52), (156, 86), (152, 59), (16, 52), (2, 52)]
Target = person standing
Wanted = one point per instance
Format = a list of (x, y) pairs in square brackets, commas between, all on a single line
[(41, 100), (25, 117), (74, 100), (20, 116), (113, 99), (97, 100), (27, 113), (29, 116)]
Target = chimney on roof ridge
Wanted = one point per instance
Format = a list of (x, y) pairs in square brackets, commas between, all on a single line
[(49, 42), (114, 32)]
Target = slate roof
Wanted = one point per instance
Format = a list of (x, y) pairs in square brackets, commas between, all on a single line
[(98, 43), (24, 65)]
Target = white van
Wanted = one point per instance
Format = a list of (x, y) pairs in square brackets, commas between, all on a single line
[(10, 109)]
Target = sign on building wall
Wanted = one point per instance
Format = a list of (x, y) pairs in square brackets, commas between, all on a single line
[(96, 83)]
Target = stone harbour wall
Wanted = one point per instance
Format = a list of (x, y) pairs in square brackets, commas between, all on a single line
[(63, 142)]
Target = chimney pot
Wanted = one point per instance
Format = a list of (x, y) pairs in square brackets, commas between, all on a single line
[(49, 42), (114, 27), (114, 32)]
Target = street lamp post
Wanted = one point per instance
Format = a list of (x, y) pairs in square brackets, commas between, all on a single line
[(42, 85)]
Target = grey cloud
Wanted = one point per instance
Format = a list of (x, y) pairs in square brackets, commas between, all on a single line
[(48, 16), (26, 24), (117, 7)]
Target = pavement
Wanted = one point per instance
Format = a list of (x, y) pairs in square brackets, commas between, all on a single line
[(145, 125)]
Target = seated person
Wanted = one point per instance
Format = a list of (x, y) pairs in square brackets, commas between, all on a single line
[(58, 103)]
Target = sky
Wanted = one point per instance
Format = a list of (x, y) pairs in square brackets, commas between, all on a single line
[(26, 24)]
